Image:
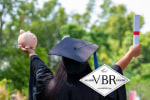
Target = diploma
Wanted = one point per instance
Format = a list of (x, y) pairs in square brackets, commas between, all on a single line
[(136, 29)]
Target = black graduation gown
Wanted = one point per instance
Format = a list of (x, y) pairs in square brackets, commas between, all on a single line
[(40, 76)]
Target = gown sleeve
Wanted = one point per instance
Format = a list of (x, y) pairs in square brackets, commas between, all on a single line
[(120, 93), (39, 78)]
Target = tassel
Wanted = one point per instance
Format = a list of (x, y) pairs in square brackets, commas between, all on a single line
[(95, 61)]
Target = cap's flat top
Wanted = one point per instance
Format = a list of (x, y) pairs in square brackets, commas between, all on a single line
[(75, 49)]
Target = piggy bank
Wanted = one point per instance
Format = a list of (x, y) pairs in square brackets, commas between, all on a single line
[(27, 39)]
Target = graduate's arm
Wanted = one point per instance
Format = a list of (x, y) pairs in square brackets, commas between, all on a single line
[(40, 75), (134, 51), (36, 62)]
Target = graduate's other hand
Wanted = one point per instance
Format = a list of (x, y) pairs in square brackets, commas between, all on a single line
[(29, 51), (135, 51)]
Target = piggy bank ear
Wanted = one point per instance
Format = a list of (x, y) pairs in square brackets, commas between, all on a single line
[(21, 31)]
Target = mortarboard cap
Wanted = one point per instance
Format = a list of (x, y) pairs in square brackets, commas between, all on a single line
[(76, 49)]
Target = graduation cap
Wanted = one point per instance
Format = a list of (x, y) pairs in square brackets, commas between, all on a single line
[(75, 49)]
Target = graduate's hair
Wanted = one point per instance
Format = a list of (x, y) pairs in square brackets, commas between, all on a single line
[(64, 86)]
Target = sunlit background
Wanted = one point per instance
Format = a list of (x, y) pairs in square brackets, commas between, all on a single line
[(107, 23), (140, 7)]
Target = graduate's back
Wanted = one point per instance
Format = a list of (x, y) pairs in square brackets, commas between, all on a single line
[(65, 85)]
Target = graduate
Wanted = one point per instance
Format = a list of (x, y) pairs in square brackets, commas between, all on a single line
[(65, 84)]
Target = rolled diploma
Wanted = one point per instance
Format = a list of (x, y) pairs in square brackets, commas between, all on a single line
[(136, 32)]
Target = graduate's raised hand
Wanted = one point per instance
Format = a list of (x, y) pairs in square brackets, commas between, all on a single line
[(135, 51), (29, 51)]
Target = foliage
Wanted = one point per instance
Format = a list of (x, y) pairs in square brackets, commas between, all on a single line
[(73, 31), (6, 94), (3, 92), (112, 32)]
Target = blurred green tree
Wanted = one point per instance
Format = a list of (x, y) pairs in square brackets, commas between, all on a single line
[(45, 22), (112, 32)]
